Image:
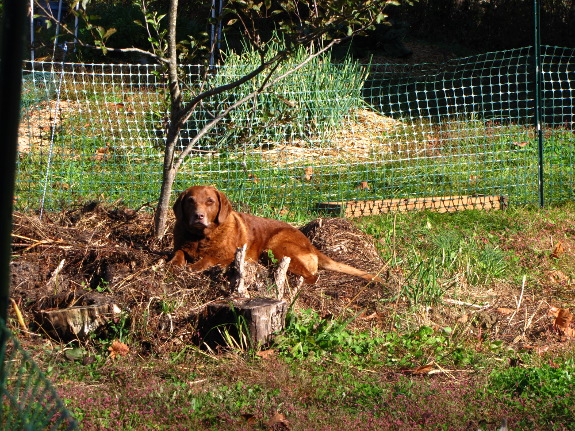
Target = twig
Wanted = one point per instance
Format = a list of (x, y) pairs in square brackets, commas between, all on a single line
[(468, 304), (280, 276), (56, 272), (529, 322), (19, 316), (518, 302), (123, 281)]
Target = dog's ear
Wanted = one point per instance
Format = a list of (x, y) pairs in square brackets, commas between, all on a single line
[(225, 208), (178, 210)]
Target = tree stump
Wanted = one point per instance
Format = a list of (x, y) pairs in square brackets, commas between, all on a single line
[(245, 322), (75, 314), (76, 322)]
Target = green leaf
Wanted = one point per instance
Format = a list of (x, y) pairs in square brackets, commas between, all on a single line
[(110, 32), (381, 17)]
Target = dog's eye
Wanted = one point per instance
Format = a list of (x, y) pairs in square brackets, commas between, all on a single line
[(210, 201)]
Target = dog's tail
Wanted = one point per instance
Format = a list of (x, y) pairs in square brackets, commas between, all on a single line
[(328, 263)]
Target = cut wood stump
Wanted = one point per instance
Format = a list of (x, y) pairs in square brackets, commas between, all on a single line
[(247, 320), (76, 322), (74, 315), (439, 204), (247, 277)]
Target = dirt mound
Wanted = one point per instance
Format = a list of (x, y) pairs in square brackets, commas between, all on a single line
[(96, 254), (110, 254), (343, 242)]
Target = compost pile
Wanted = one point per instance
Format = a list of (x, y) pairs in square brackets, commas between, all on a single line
[(101, 255), (97, 254)]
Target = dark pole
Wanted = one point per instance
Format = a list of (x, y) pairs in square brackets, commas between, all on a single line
[(12, 38), (538, 104)]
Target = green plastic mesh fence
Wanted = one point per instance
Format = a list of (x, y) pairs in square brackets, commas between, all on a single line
[(28, 401), (336, 137)]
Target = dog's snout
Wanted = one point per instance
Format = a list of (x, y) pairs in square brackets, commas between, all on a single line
[(199, 218)]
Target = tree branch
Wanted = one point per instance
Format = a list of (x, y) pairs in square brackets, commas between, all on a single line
[(266, 84), (174, 83)]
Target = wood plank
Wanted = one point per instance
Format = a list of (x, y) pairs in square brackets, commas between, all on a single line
[(439, 204)]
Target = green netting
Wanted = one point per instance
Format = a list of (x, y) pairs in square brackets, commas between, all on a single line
[(27, 400), (335, 135)]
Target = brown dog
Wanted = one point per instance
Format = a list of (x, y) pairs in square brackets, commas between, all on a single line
[(208, 232)]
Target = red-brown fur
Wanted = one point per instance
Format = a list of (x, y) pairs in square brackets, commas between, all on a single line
[(208, 232)]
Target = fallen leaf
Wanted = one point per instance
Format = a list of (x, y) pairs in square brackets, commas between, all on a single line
[(249, 418), (519, 338), (276, 419), (558, 250), (421, 370), (61, 186), (102, 153), (370, 316), (556, 276), (563, 321), (118, 349), (542, 349), (308, 173), (253, 178), (266, 354), (284, 211), (553, 311), (521, 144), (505, 311), (364, 185), (463, 319), (553, 364)]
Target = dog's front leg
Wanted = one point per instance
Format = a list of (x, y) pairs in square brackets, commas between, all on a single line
[(178, 259), (203, 263)]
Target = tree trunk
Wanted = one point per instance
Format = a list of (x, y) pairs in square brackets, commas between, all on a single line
[(169, 170), (168, 177)]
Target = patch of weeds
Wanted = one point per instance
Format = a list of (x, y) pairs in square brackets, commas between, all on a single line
[(423, 285), (449, 247), (308, 336), (427, 345), (490, 262), (546, 389), (340, 388), (233, 334)]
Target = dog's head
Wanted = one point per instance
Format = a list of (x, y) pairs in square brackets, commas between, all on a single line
[(202, 207)]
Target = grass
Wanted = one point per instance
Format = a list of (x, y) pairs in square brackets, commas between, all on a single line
[(339, 369), (292, 148), (134, 174), (343, 370)]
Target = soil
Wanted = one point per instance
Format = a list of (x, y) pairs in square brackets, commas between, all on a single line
[(95, 254), (98, 255)]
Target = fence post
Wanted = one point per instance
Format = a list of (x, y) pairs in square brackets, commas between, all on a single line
[(11, 51), (538, 105)]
